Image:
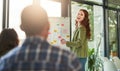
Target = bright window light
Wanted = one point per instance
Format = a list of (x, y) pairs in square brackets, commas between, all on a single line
[(53, 8), (16, 7), (1, 11)]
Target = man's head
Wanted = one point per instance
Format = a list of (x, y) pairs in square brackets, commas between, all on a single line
[(34, 21)]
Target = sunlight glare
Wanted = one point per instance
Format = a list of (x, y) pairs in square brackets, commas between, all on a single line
[(53, 8)]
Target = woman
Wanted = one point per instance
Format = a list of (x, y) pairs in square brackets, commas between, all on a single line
[(8, 40), (79, 43)]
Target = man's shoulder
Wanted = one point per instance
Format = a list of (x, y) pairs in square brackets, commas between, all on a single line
[(65, 56)]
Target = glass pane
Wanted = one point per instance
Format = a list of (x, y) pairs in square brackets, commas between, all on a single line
[(96, 1), (16, 6), (112, 21), (98, 28), (114, 3), (53, 8), (1, 15)]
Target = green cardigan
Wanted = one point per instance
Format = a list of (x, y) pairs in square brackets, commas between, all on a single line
[(79, 44)]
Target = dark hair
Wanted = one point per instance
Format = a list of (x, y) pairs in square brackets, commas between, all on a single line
[(85, 23), (8, 40), (33, 19)]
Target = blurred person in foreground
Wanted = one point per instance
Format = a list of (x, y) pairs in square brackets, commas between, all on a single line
[(36, 53), (9, 42)]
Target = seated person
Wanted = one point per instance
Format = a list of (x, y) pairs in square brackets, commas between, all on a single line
[(8, 40)]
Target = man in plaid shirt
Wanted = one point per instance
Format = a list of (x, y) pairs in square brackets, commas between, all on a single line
[(36, 54)]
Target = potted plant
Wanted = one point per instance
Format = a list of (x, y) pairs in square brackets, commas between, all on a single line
[(94, 63)]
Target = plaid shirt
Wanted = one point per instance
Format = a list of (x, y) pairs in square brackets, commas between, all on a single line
[(7, 55), (38, 55)]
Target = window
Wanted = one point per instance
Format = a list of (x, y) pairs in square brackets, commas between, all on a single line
[(96, 1), (16, 6), (53, 8), (1, 15), (113, 42), (114, 3), (98, 28)]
